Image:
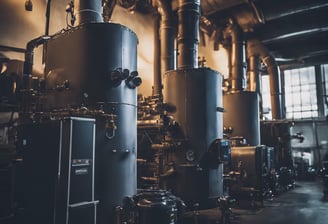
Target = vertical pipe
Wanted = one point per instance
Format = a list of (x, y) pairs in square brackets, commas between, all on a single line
[(253, 72), (255, 47), (212, 6), (238, 79), (188, 33), (88, 11), (283, 95), (275, 86), (47, 17), (320, 90), (157, 83), (316, 150), (166, 41)]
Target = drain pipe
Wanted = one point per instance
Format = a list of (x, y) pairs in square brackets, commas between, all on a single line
[(188, 33), (238, 77), (87, 11), (256, 49), (166, 42)]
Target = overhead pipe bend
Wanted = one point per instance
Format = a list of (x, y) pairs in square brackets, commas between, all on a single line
[(29, 58), (255, 48)]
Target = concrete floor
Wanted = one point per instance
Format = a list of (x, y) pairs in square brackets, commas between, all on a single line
[(304, 204)]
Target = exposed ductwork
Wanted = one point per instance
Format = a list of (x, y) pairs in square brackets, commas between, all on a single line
[(244, 12), (285, 22), (238, 79), (256, 49), (212, 6), (188, 33), (296, 25), (281, 8), (87, 11), (166, 42)]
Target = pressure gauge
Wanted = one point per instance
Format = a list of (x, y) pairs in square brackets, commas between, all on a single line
[(190, 155)]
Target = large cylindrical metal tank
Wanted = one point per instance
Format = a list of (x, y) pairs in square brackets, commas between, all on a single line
[(86, 56), (241, 116), (197, 96), (91, 58)]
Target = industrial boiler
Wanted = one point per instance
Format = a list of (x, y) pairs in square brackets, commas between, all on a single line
[(91, 73)]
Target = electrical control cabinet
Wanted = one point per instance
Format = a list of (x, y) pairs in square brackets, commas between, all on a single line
[(57, 173)]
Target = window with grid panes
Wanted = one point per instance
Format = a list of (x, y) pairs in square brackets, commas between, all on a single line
[(300, 93), (324, 73)]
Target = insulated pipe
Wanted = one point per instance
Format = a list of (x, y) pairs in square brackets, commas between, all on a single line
[(87, 11), (253, 72), (275, 86), (256, 48), (166, 39), (238, 79), (188, 33)]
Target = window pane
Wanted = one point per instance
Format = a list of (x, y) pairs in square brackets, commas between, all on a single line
[(296, 98), (300, 93)]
